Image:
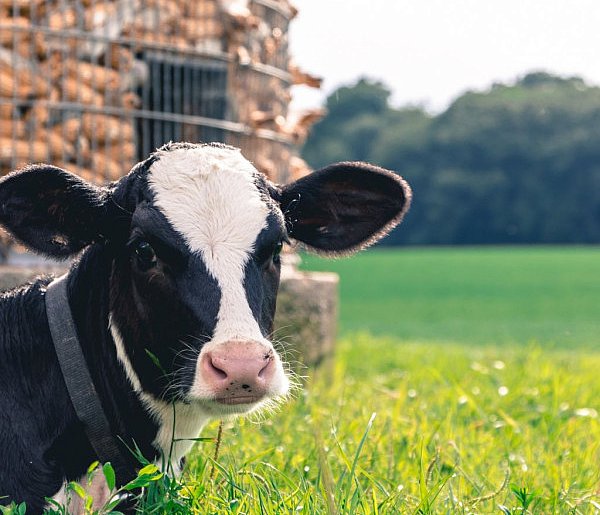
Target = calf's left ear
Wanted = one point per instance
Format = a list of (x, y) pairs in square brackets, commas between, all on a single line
[(344, 207), (50, 210)]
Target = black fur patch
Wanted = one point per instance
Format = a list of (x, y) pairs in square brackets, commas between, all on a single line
[(344, 207), (261, 278), (51, 211)]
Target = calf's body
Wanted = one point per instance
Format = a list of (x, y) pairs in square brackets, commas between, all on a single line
[(173, 299)]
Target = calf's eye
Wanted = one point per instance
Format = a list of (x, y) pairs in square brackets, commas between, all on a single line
[(145, 255)]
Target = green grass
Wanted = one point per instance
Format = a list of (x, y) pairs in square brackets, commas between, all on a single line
[(438, 417), (454, 429), (400, 427), (474, 295)]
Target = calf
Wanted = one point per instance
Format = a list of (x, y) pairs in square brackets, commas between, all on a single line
[(172, 300)]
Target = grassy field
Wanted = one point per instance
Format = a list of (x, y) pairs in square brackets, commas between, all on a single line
[(484, 398), (474, 295), (402, 427)]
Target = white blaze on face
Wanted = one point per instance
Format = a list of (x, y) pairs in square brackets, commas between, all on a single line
[(209, 196)]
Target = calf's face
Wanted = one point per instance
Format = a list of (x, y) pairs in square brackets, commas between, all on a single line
[(194, 234), (198, 282)]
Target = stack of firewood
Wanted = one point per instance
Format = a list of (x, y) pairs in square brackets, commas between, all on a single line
[(59, 71), (71, 70)]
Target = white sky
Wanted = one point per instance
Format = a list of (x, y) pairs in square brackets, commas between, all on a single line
[(430, 51)]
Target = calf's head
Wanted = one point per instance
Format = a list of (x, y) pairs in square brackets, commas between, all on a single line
[(193, 237)]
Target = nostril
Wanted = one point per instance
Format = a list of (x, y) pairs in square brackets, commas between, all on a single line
[(263, 370), (221, 374)]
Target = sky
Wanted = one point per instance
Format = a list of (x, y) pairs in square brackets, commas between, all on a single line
[(428, 52)]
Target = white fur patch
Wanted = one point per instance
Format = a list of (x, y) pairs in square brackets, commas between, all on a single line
[(209, 196), (61, 495), (98, 489)]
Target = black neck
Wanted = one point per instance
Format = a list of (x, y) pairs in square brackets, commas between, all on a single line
[(89, 298)]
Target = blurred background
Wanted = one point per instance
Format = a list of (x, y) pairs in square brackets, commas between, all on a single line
[(491, 109)]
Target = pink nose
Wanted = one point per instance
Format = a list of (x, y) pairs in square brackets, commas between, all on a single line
[(238, 372)]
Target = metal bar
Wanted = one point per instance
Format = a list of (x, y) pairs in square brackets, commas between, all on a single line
[(220, 56), (155, 115)]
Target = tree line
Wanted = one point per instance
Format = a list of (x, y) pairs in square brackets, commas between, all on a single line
[(519, 163)]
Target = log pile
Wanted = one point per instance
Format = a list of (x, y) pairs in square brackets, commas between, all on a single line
[(73, 77), (56, 81)]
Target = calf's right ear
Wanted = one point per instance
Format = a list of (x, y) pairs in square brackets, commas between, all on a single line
[(50, 210)]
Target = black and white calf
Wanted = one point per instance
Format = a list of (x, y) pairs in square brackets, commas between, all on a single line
[(173, 298)]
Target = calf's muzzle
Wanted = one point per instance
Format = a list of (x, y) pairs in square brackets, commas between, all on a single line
[(238, 372)]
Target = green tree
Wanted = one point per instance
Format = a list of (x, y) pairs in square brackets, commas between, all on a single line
[(519, 163)]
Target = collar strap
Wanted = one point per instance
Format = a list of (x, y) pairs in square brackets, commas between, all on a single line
[(79, 381)]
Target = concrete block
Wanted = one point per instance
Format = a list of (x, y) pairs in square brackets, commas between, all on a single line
[(306, 316)]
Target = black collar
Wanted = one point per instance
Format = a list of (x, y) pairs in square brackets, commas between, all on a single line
[(79, 380)]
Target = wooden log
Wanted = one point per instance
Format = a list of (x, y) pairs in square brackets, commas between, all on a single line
[(267, 167), (65, 17), (52, 67), (98, 15), (119, 57), (124, 152), (75, 91), (200, 9), (106, 168), (267, 120), (158, 16), (298, 168), (280, 90), (100, 78), (103, 128), (300, 127), (311, 116), (28, 49), (10, 128), (293, 11), (17, 34), (21, 151), (12, 29), (79, 145), (130, 100), (38, 115), (6, 111), (300, 77), (24, 6), (20, 76), (195, 30), (77, 151), (84, 149), (58, 146), (70, 129), (20, 84)]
